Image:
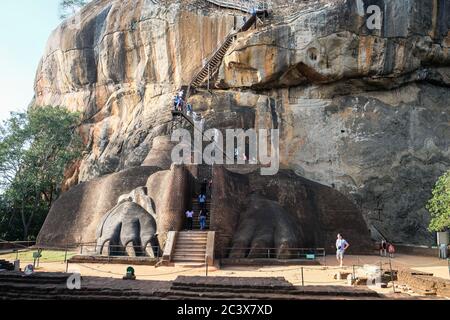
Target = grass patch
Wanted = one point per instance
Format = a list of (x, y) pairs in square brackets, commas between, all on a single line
[(47, 256)]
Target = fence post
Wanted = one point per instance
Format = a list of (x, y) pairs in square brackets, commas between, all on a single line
[(39, 257), (392, 276), (65, 254), (303, 278), (354, 273)]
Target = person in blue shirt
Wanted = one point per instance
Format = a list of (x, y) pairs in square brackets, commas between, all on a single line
[(202, 217), (202, 201), (176, 101), (341, 246)]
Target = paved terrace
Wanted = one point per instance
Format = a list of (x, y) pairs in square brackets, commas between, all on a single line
[(314, 276)]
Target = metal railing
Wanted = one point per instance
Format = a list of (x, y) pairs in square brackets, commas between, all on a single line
[(197, 77), (14, 245), (86, 249), (244, 5), (274, 253), (89, 249)]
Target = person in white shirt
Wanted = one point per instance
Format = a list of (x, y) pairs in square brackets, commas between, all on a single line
[(189, 215), (341, 246)]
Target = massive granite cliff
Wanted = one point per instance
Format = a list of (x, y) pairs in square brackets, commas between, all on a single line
[(365, 111)]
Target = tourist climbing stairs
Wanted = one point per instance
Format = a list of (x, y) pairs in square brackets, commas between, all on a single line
[(204, 174), (214, 61), (196, 207)]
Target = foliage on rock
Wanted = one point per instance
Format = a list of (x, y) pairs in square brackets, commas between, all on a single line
[(439, 204)]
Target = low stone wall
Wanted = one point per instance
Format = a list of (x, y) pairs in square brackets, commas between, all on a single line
[(113, 260), (268, 262), (417, 250), (425, 282), (16, 245)]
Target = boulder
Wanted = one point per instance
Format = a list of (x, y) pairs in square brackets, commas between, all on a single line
[(76, 215)]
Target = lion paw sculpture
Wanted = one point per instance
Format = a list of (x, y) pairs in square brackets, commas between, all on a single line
[(129, 228)]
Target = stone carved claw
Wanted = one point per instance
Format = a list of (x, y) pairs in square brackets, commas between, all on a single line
[(129, 228), (265, 225)]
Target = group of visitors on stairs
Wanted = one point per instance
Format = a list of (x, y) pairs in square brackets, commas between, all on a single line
[(203, 211), (179, 105)]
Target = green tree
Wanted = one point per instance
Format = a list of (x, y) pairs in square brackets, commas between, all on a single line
[(70, 7), (439, 205), (35, 149)]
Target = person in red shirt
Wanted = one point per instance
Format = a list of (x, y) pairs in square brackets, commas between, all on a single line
[(391, 250)]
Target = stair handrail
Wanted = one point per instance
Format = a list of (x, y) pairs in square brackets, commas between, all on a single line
[(245, 6), (262, 6), (232, 33)]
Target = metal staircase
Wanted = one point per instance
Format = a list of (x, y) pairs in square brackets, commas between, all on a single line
[(246, 6), (215, 60)]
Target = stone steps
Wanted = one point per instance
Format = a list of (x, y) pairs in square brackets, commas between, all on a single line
[(190, 246), (193, 235), (188, 258), (184, 288), (167, 295), (262, 286), (190, 250), (6, 265), (37, 278)]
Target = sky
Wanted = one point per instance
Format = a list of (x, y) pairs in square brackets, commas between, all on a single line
[(25, 26)]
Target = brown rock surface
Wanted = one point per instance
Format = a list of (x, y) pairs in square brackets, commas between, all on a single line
[(363, 111), (171, 192), (75, 216), (283, 211), (424, 282)]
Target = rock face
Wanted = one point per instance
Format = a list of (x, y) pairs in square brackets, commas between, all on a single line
[(119, 65), (76, 215), (281, 212), (361, 110), (129, 211)]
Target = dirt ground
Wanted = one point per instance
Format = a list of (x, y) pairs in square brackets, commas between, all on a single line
[(312, 275)]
